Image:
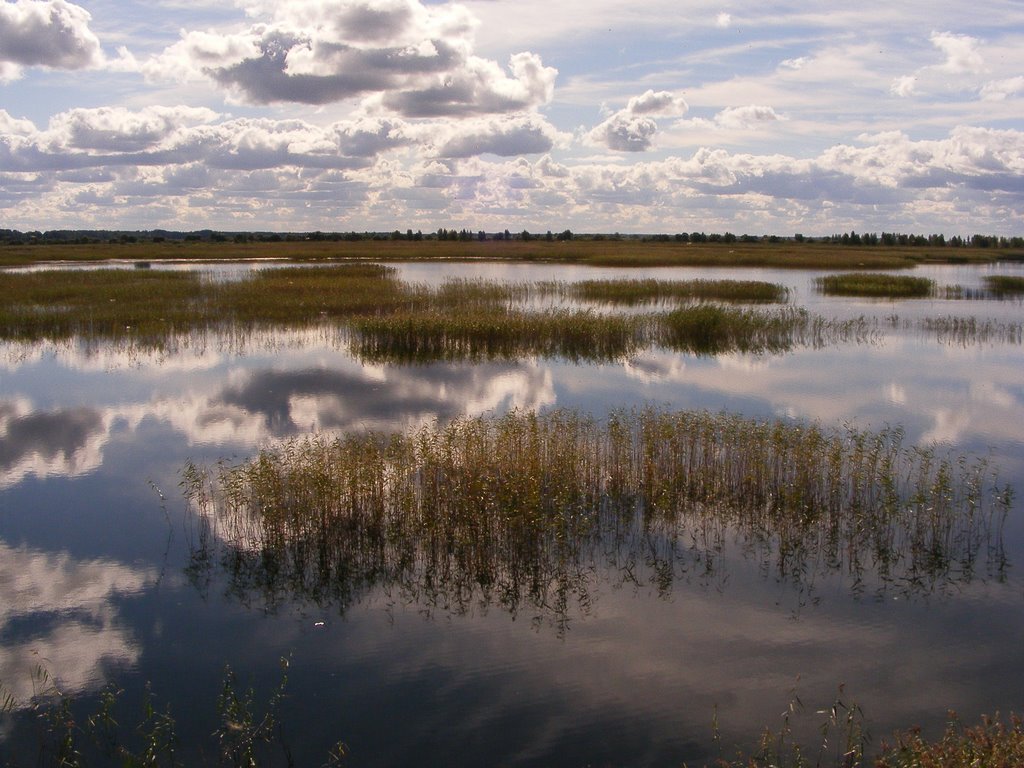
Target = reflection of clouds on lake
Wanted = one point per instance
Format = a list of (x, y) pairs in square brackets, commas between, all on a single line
[(66, 442), (59, 613), (655, 366), (684, 662), (249, 407), (390, 398)]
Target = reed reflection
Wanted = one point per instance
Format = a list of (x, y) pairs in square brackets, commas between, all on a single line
[(533, 513)]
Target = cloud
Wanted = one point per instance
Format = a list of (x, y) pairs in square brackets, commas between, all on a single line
[(723, 21), (746, 117), (962, 59), (402, 56), (46, 33), (961, 51), (903, 86), (632, 129), (504, 136), (116, 129), (1000, 90)]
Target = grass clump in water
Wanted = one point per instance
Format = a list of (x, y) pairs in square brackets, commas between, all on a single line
[(526, 510), (1005, 285), (652, 291), (875, 285), (491, 333)]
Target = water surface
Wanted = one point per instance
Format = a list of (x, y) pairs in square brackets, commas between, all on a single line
[(96, 539)]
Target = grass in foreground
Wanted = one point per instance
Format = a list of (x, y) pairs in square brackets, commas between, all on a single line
[(251, 734), (525, 511)]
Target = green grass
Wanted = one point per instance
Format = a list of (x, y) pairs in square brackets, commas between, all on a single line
[(876, 286), (1005, 285)]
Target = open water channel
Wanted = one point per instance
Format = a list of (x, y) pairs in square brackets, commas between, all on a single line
[(99, 584)]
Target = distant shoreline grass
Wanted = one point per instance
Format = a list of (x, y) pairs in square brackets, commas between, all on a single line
[(384, 319), (611, 253)]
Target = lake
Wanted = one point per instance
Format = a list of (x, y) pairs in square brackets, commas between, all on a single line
[(102, 577)]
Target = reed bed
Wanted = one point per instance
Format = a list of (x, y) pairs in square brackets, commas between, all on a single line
[(382, 318), (1005, 285), (709, 330), (871, 285), (491, 333), (648, 291), (525, 510)]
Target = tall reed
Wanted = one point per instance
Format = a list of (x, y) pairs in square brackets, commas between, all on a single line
[(524, 510)]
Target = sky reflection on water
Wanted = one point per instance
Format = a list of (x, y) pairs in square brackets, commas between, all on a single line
[(93, 440)]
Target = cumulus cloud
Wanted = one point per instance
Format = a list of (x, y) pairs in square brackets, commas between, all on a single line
[(746, 117), (46, 33), (116, 129), (519, 135), (962, 56), (903, 86), (962, 60), (632, 129), (401, 56), (1000, 90)]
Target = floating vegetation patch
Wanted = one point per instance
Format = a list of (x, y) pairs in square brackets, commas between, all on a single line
[(525, 510), (495, 334), (1005, 285), (873, 285), (631, 292), (709, 330)]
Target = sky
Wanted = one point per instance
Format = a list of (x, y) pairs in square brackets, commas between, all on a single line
[(664, 116)]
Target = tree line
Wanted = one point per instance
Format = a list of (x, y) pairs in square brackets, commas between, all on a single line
[(852, 238)]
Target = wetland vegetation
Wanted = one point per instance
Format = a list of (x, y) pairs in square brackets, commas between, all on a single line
[(382, 318), (618, 252), (523, 510), (540, 514)]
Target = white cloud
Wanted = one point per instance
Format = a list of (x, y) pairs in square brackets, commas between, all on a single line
[(1000, 90), (505, 136), (402, 56), (746, 116), (46, 33), (723, 21), (116, 129), (962, 56), (903, 85), (632, 129)]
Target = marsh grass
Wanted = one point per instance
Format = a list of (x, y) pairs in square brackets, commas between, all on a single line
[(608, 252), (870, 285), (631, 292), (248, 732), (525, 510), (382, 318), (1005, 285), (490, 333)]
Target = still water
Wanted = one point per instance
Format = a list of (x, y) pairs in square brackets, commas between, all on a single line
[(96, 541)]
